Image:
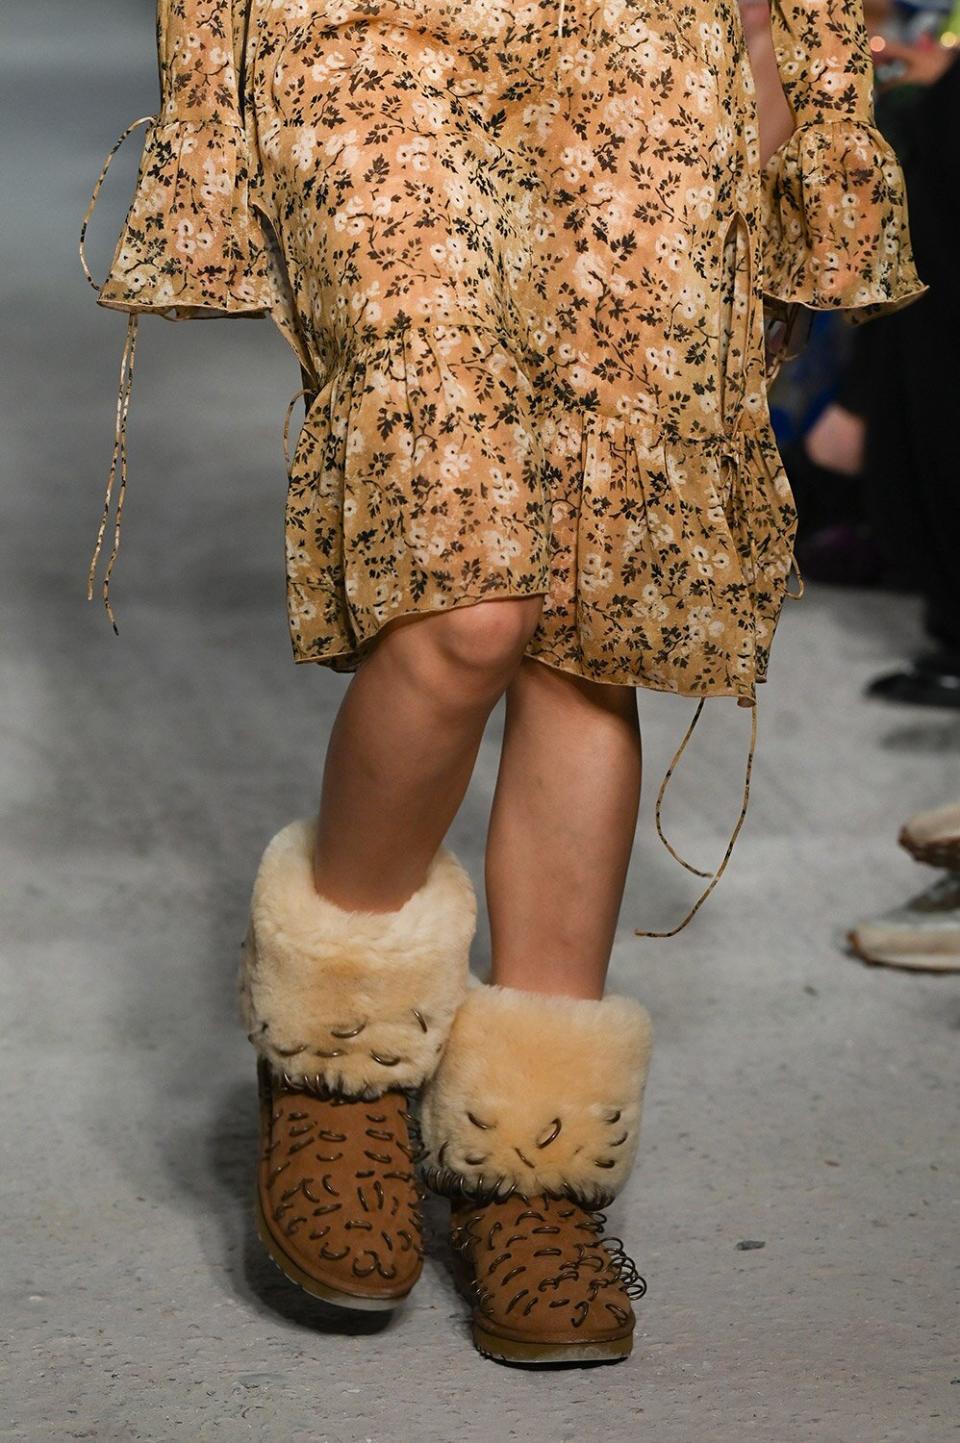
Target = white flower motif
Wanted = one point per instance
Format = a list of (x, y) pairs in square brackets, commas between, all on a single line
[(595, 574), (415, 153), (185, 241)]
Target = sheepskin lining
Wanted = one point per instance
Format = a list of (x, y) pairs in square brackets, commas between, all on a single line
[(537, 1094), (356, 1002)]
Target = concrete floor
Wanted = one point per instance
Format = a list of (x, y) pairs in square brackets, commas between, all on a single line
[(796, 1097)]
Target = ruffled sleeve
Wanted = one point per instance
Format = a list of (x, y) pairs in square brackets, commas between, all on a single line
[(836, 228), (191, 244)]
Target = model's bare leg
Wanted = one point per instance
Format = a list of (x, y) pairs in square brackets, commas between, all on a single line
[(561, 830), (404, 744)]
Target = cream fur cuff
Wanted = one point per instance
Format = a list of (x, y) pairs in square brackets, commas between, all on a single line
[(539, 1094), (357, 1002)]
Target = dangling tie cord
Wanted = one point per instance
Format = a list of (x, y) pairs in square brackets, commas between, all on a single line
[(286, 425), (714, 876), (772, 371), (801, 584), (697, 871), (118, 464)]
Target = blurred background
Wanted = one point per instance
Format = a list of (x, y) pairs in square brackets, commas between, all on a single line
[(799, 1101)]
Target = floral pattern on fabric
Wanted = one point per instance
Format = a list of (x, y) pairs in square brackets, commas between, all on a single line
[(190, 245), (835, 222), (417, 484), (835, 228), (522, 253)]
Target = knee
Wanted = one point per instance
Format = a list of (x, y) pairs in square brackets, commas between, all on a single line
[(488, 638), (470, 653)]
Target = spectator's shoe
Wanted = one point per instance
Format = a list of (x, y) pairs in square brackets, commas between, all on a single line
[(923, 935), (530, 1125), (930, 681), (934, 837), (349, 1013)]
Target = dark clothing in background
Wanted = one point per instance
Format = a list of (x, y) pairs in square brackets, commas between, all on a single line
[(905, 379)]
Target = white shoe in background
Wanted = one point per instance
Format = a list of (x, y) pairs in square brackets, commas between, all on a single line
[(934, 837), (922, 934)]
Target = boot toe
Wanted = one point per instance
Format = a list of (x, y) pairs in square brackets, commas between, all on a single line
[(338, 1207), (544, 1286)]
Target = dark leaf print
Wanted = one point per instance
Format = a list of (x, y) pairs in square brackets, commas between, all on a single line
[(497, 249)]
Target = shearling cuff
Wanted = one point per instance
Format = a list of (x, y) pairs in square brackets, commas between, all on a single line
[(352, 1002), (537, 1094)]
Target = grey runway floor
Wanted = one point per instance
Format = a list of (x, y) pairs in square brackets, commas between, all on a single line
[(796, 1097)]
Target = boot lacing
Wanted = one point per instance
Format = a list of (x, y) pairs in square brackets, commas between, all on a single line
[(624, 1269)]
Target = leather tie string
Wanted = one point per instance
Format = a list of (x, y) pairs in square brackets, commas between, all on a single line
[(714, 876), (118, 463)]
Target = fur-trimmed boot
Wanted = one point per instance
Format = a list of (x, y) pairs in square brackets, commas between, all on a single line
[(530, 1125), (349, 1013)]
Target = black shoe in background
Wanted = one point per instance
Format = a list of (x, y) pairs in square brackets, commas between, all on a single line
[(932, 680)]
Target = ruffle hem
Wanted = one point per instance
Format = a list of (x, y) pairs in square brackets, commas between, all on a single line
[(835, 222)]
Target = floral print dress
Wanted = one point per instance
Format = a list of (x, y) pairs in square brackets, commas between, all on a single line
[(523, 252)]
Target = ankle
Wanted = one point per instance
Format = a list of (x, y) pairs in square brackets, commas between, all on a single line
[(366, 888), (582, 984)]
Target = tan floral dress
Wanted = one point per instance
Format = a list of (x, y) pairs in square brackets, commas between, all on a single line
[(522, 249)]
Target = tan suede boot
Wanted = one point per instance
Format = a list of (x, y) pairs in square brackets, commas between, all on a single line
[(349, 1013), (530, 1124)]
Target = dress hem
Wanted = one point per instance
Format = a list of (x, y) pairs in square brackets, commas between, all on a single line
[(350, 659)]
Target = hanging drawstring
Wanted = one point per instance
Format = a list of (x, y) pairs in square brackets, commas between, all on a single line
[(714, 876), (118, 463), (286, 425), (801, 584), (734, 452), (697, 872), (95, 194), (118, 466)]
